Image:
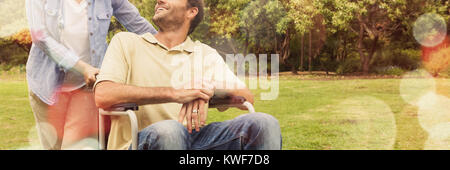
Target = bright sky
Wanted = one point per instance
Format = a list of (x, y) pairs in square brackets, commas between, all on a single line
[(12, 17)]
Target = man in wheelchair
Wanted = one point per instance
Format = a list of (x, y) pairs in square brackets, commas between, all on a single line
[(172, 78)]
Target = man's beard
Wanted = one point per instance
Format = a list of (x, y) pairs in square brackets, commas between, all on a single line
[(168, 21)]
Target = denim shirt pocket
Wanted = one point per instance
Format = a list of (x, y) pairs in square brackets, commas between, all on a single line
[(104, 15), (104, 19)]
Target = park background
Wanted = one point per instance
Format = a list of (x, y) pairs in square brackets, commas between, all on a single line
[(367, 74)]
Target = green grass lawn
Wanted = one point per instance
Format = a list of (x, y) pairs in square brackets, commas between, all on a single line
[(313, 114), (16, 118)]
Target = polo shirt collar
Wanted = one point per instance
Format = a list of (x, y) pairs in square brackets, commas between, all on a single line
[(188, 45)]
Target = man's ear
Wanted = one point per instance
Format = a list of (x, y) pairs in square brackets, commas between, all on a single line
[(192, 12)]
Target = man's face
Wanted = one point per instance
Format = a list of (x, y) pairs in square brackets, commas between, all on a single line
[(171, 12)]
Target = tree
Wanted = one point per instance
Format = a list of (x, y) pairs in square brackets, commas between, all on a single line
[(439, 61), (308, 20), (301, 13), (225, 32), (23, 39), (372, 21), (332, 30), (262, 26)]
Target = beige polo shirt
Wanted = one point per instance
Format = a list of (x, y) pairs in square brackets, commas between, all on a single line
[(141, 60)]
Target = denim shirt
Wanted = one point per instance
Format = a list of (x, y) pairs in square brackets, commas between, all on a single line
[(49, 59)]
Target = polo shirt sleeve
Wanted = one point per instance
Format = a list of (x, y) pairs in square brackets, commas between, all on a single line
[(114, 67)]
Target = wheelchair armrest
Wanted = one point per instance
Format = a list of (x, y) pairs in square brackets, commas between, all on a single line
[(221, 98), (123, 107), (224, 99)]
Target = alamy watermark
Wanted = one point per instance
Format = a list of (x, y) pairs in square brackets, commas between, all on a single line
[(198, 70)]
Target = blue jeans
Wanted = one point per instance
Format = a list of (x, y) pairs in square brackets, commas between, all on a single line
[(254, 131)]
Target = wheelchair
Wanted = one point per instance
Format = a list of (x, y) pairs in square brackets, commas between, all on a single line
[(220, 99)]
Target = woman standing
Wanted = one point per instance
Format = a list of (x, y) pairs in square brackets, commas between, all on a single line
[(69, 42)]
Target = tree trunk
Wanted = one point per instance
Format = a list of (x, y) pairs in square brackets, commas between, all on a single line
[(287, 51), (362, 56), (246, 42), (294, 66), (344, 51), (302, 51), (231, 45), (310, 52), (366, 66), (283, 49)]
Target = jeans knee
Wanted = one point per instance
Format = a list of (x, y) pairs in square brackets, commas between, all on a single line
[(164, 135), (264, 130), (167, 128), (263, 120)]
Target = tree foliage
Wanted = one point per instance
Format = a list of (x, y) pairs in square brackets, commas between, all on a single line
[(331, 35), (23, 39)]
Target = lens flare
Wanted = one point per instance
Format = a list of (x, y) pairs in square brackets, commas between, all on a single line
[(439, 137), (12, 17), (34, 140), (433, 110), (416, 84), (430, 29), (85, 144), (50, 130), (368, 123)]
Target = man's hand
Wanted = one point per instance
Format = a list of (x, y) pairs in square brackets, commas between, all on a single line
[(193, 109), (195, 113), (193, 106)]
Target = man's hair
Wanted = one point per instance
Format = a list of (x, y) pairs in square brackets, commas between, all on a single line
[(199, 17)]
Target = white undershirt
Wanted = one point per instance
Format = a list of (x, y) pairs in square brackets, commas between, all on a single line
[(75, 36)]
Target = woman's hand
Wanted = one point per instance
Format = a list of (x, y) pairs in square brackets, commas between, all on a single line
[(89, 72)]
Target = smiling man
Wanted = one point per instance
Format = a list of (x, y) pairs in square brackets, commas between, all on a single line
[(143, 69)]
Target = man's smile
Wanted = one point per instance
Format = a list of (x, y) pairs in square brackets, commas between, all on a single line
[(160, 8)]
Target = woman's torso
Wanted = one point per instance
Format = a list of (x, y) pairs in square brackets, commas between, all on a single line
[(45, 76), (75, 36)]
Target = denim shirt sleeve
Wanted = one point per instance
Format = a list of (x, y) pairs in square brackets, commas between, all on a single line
[(36, 14), (127, 14)]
